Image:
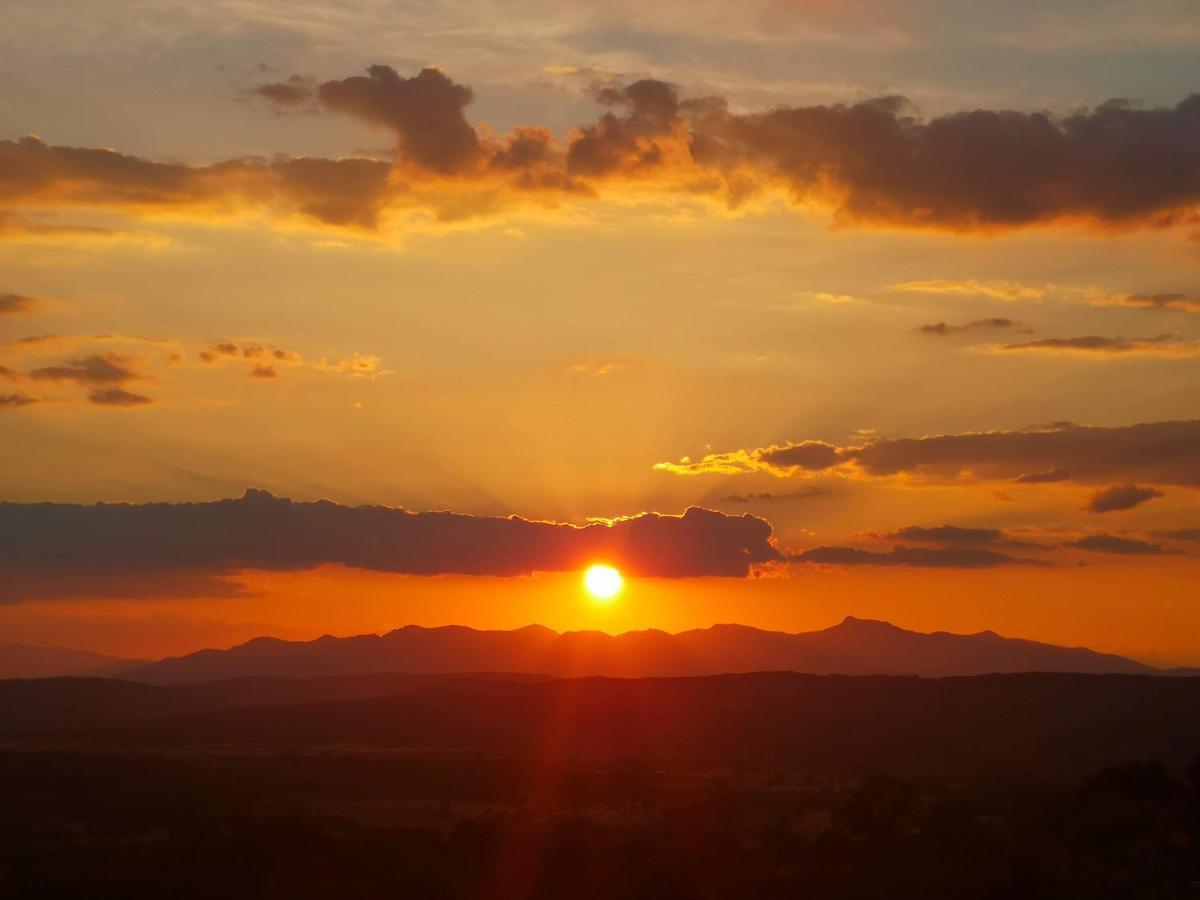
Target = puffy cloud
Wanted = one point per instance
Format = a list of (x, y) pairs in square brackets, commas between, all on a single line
[(871, 163), (357, 365), (107, 368), (427, 113), (18, 303), (917, 557), (1107, 543), (104, 375), (1155, 452), (1119, 497), (1093, 345), (263, 371), (259, 531)]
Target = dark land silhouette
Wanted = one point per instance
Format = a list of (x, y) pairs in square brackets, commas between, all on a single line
[(853, 647), (504, 785)]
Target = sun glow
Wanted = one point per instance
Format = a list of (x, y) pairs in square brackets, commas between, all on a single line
[(602, 582)]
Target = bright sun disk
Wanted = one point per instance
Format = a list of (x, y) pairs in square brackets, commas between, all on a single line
[(602, 582)]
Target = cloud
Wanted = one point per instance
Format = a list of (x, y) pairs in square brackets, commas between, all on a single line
[(104, 375), (917, 557), (1052, 476), (1008, 291), (945, 534), (871, 163), (263, 371), (1182, 302), (1161, 453), (941, 329), (114, 396), (107, 368), (1093, 345), (356, 365), (768, 497), (1180, 534), (1119, 497), (298, 92), (1107, 543), (259, 531), (16, 401), (18, 303)]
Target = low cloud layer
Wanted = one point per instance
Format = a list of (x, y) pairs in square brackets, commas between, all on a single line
[(1107, 543), (873, 163), (942, 329), (1162, 453), (18, 303), (259, 531), (915, 557), (1167, 345)]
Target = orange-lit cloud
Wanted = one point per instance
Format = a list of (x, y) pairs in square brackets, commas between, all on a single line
[(1155, 452), (872, 163), (1164, 345)]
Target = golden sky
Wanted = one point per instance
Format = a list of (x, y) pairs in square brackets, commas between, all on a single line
[(856, 270)]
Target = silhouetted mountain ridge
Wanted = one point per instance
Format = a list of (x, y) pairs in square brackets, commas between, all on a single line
[(852, 647)]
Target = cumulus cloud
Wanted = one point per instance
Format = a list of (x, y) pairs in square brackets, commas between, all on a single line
[(873, 163), (1093, 345), (1120, 497), (1107, 543), (1157, 452), (106, 368), (259, 531), (103, 374)]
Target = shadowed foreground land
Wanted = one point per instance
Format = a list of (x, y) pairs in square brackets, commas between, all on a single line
[(764, 786)]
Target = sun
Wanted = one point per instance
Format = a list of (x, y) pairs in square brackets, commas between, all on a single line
[(603, 582)]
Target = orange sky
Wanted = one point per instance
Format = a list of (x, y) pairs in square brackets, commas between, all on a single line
[(590, 262)]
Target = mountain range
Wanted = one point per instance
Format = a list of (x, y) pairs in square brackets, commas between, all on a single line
[(853, 647), (32, 661)]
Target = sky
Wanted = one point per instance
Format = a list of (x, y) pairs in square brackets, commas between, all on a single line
[(903, 300)]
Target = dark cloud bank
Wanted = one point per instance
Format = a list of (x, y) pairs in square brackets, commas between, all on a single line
[(1161, 453), (259, 531)]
